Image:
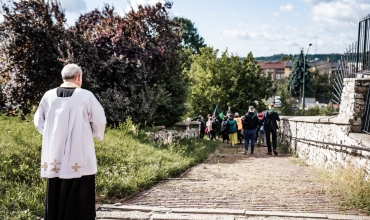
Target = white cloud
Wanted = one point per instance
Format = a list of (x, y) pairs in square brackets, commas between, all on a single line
[(256, 32), (236, 34), (73, 6), (287, 7), (136, 3), (314, 2), (290, 43), (275, 14), (291, 29), (341, 12)]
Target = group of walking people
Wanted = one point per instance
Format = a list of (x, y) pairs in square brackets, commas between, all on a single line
[(252, 127)]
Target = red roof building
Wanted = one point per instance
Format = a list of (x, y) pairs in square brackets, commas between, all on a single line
[(275, 68)]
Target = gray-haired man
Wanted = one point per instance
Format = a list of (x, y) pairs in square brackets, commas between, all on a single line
[(69, 118)]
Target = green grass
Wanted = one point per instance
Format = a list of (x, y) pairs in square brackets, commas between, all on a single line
[(127, 163), (348, 188)]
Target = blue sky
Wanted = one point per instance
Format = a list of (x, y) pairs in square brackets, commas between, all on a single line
[(264, 27)]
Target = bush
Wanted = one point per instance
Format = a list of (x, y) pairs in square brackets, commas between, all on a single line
[(127, 163)]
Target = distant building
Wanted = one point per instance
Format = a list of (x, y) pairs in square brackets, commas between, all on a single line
[(288, 66), (323, 66), (274, 68)]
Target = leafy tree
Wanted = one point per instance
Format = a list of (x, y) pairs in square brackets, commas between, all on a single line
[(226, 82), (296, 77), (189, 33), (285, 98), (132, 62), (322, 86), (31, 32), (286, 57)]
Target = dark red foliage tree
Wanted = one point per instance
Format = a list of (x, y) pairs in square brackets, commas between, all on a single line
[(132, 63), (30, 35)]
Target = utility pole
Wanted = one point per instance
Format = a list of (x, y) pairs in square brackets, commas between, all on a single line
[(304, 79)]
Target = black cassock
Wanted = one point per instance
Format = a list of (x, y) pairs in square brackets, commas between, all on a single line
[(70, 199)]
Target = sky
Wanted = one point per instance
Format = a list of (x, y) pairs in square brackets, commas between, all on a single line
[(263, 27)]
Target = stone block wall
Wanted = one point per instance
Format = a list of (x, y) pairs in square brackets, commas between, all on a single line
[(181, 130), (353, 101), (332, 130)]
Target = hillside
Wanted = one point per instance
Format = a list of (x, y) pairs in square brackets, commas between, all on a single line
[(332, 57)]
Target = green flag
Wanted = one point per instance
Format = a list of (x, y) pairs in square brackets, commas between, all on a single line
[(222, 116), (216, 113)]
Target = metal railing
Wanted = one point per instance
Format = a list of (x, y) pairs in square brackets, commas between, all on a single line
[(326, 143), (346, 69), (363, 64), (363, 45), (355, 63)]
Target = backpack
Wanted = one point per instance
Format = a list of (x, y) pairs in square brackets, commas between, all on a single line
[(213, 125), (248, 121), (268, 119), (253, 123), (232, 126), (223, 126)]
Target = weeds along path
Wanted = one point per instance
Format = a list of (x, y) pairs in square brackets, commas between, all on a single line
[(259, 182)]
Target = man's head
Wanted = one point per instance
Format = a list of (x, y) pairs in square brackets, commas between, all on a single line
[(251, 109), (236, 115), (271, 106), (72, 73)]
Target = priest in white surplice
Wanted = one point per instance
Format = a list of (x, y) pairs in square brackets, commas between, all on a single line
[(69, 118)]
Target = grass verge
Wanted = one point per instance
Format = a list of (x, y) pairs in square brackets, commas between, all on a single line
[(348, 188), (127, 163)]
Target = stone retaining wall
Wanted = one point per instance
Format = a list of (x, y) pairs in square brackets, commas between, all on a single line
[(181, 130), (353, 101), (334, 130)]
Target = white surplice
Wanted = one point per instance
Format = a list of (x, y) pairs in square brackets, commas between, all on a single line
[(68, 126)]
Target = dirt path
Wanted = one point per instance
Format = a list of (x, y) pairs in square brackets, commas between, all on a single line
[(259, 182)]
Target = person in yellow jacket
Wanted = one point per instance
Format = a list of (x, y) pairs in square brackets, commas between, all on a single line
[(239, 126)]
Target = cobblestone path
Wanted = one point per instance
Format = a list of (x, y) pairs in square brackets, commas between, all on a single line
[(258, 182)]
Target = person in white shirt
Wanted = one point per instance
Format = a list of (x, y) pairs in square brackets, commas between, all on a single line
[(69, 117)]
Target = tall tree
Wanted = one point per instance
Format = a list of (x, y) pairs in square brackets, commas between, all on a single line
[(299, 72), (322, 86), (285, 97), (190, 36), (133, 63), (30, 35), (227, 81)]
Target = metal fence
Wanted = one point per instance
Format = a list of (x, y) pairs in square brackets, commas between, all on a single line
[(346, 69), (366, 118), (363, 64), (363, 45), (355, 63)]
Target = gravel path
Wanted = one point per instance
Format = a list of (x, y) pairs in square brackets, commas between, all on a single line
[(259, 182)]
